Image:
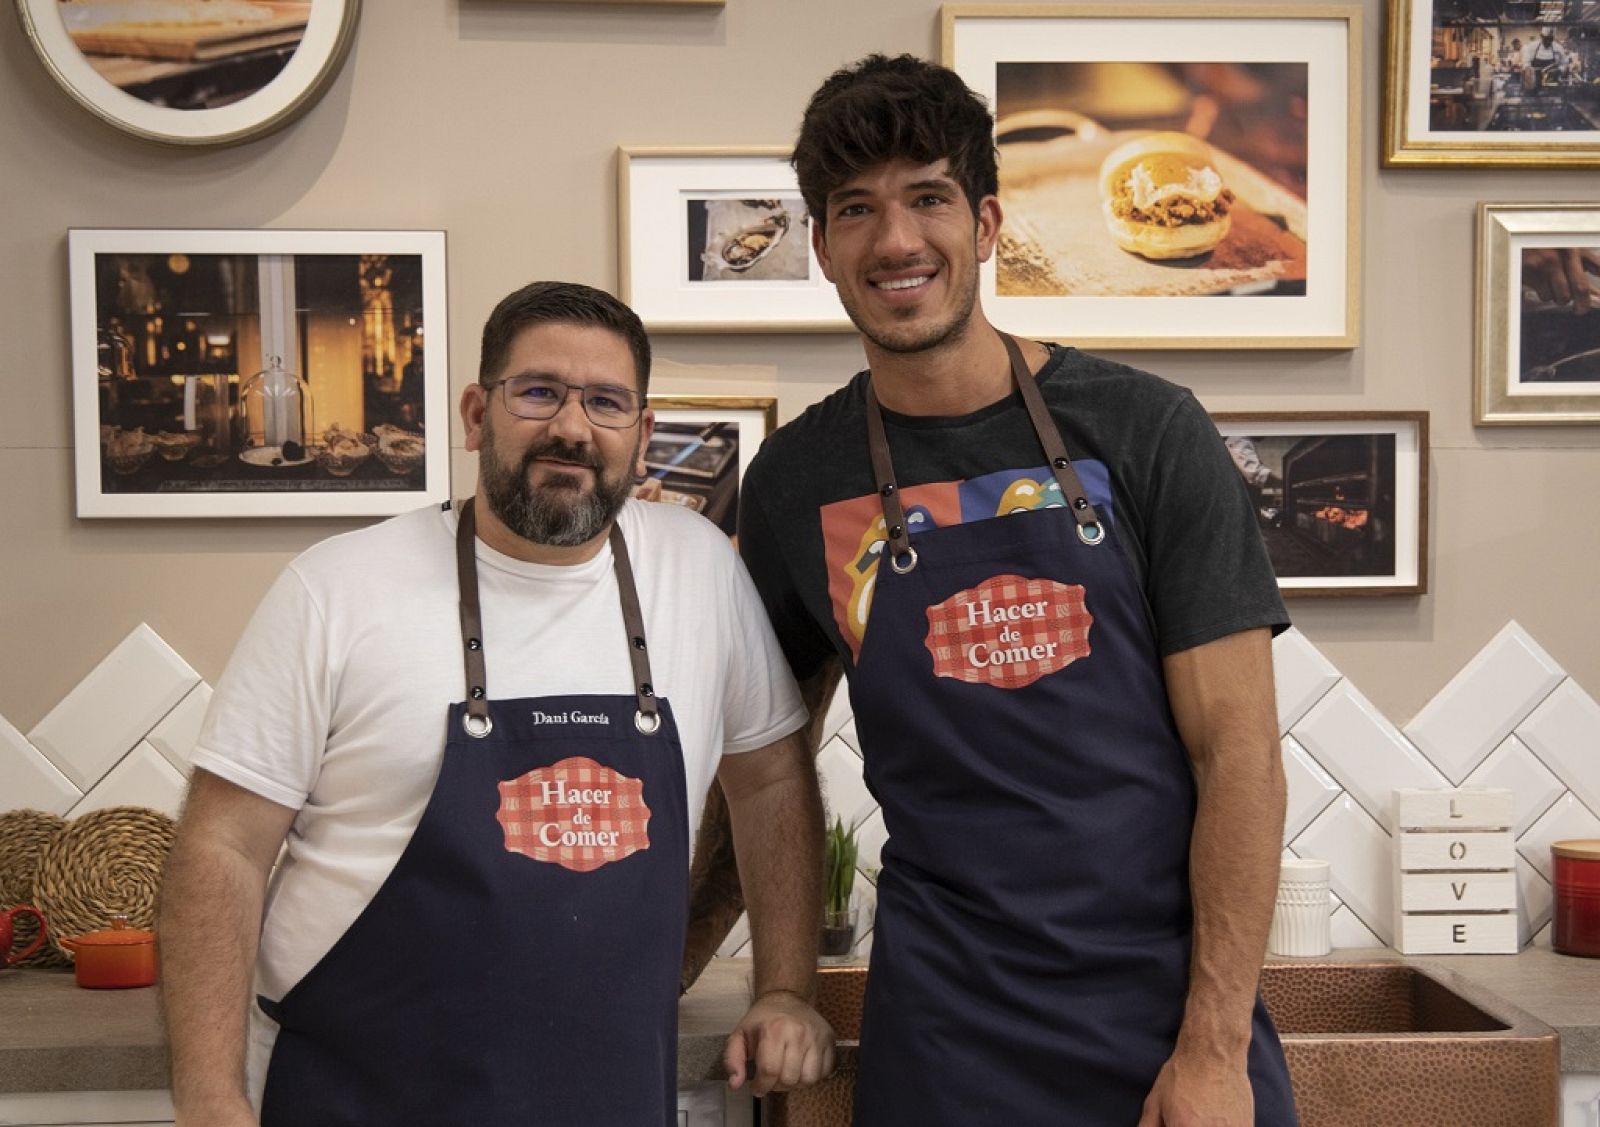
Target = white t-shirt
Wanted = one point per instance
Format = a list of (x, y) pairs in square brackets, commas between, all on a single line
[(335, 700)]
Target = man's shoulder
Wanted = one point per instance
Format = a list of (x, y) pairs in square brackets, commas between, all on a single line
[(669, 531), (1071, 372), (809, 446), (400, 539)]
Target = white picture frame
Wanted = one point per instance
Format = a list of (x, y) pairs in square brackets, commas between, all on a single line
[(170, 327), (658, 190)]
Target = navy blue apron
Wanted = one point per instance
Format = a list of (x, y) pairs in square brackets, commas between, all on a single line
[(1030, 957), (520, 964)]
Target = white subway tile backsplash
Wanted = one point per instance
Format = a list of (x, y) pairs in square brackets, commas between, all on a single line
[(29, 781), (143, 777), (179, 730), (1484, 702), (1359, 855), (1360, 748), (114, 707), (1310, 788), (843, 790), (1567, 818), (1564, 732), (1346, 930), (1512, 767), (1301, 676), (125, 733), (1534, 900)]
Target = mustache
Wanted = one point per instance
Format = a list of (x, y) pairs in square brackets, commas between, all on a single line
[(563, 450)]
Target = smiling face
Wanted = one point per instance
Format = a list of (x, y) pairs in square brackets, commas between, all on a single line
[(902, 245), (556, 482)]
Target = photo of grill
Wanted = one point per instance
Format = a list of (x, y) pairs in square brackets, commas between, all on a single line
[(1338, 502)]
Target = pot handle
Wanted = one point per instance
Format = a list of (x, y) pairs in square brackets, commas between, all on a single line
[(38, 940)]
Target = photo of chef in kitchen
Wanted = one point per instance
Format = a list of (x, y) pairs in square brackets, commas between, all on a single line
[(1515, 67), (1560, 319), (203, 390), (187, 54), (748, 240), (1325, 503), (1125, 179)]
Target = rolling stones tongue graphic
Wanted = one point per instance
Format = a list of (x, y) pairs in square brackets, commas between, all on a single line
[(576, 814), (1009, 631)]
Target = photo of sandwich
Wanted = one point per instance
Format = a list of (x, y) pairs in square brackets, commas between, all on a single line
[(1162, 196), (1125, 179)]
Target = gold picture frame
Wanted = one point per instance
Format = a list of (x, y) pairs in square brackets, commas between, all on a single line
[(700, 449), (1452, 67), (136, 76), (674, 202), (1538, 353), (1071, 83)]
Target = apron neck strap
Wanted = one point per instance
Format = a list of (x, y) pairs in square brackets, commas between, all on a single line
[(901, 555), (476, 721)]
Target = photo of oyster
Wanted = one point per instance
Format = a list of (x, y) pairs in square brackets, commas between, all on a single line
[(750, 246), (399, 449), (748, 240)]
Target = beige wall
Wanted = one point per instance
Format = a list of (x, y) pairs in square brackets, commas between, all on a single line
[(498, 121)]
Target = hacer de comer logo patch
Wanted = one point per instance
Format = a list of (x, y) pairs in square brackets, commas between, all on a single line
[(1009, 631)]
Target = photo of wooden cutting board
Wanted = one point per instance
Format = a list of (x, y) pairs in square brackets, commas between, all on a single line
[(197, 35)]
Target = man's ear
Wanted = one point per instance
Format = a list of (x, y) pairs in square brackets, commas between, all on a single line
[(647, 427), (474, 404), (989, 219)]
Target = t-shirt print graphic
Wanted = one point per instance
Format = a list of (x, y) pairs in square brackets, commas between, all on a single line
[(1009, 631), (576, 813)]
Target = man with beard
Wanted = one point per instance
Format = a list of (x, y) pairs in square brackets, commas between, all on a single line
[(1043, 579), (483, 734)]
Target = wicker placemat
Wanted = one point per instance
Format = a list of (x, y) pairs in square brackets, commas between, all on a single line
[(106, 863), (23, 837)]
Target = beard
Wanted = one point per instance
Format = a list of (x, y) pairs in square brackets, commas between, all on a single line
[(559, 513), (911, 338)]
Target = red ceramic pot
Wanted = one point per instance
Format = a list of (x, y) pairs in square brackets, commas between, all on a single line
[(1576, 920), (114, 959)]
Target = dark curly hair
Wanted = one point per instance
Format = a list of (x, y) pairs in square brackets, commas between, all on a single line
[(569, 303), (882, 109)]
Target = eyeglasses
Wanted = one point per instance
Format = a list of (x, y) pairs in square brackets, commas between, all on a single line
[(542, 397)]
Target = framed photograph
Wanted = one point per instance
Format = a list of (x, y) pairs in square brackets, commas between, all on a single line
[(1341, 497), (701, 446), (718, 240), (259, 373), (1492, 84), (1168, 178), (192, 72), (1538, 310)]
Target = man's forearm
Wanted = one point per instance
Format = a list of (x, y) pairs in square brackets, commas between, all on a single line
[(777, 832), (210, 920), (1233, 868)]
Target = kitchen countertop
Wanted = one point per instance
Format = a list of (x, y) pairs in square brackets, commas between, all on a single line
[(56, 1037)]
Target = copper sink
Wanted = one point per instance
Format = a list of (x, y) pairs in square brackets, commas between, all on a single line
[(1369, 1044)]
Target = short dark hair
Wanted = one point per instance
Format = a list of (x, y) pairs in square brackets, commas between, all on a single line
[(882, 109), (568, 303)]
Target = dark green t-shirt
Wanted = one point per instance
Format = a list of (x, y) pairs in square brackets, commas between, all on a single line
[(810, 523)]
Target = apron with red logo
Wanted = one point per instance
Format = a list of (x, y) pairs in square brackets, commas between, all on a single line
[(1030, 954), (520, 964)]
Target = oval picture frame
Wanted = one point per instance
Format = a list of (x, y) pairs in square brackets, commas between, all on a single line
[(329, 29)]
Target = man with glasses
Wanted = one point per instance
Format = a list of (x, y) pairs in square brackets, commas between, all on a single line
[(484, 734)]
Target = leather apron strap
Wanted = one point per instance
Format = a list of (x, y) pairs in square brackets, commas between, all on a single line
[(476, 719), (901, 555)]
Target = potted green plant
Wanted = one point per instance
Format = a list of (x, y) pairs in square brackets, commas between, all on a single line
[(839, 881)]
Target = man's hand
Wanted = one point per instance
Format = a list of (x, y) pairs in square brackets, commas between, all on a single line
[(1198, 1093), (785, 1040)]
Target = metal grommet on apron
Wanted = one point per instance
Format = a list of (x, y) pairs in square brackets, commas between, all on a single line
[(537, 911), (1032, 939)]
